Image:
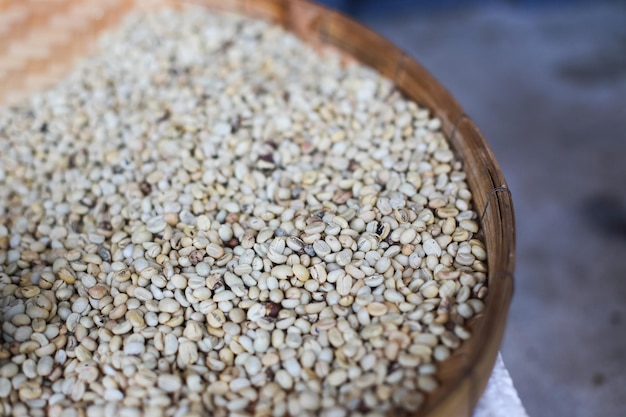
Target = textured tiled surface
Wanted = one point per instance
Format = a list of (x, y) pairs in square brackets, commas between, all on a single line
[(40, 39), (548, 89)]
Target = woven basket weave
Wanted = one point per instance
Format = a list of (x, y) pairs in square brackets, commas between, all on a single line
[(40, 40)]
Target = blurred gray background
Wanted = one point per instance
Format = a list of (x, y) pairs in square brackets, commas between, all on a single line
[(545, 81)]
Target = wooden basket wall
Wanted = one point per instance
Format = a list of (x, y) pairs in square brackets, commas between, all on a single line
[(40, 40)]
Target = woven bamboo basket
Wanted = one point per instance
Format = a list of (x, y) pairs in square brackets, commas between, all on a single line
[(40, 41)]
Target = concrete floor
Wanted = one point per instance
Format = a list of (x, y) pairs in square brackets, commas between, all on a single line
[(548, 89)]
